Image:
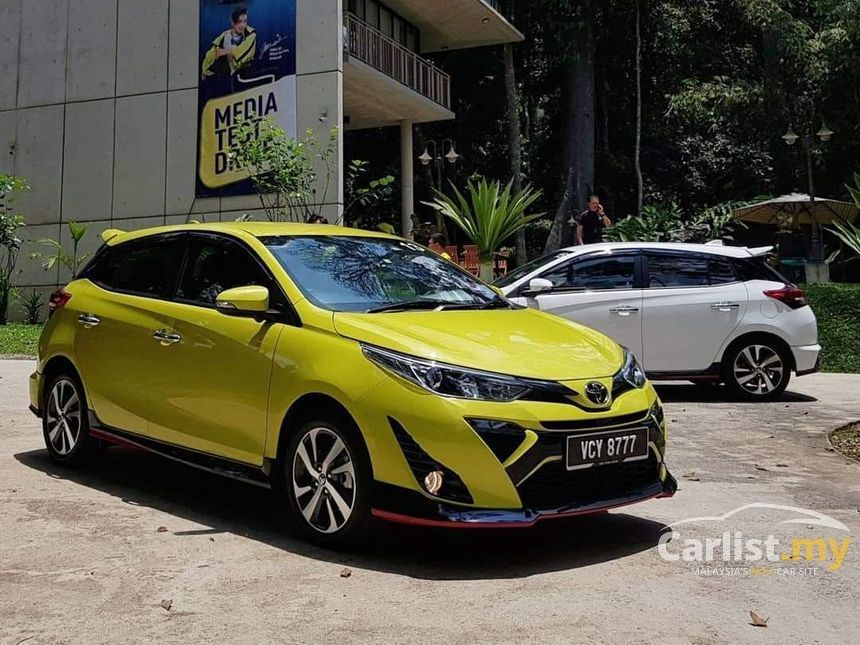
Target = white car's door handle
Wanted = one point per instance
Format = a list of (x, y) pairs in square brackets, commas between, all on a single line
[(624, 311), (89, 321), (165, 337), (725, 306)]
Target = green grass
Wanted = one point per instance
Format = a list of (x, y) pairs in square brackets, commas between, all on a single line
[(837, 307), (19, 340)]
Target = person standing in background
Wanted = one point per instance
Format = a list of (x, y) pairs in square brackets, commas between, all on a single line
[(591, 222)]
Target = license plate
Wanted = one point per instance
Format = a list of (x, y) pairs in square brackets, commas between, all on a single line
[(594, 449)]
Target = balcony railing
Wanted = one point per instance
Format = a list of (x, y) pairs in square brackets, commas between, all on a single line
[(385, 54)]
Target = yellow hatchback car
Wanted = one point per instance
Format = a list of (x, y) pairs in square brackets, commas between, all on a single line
[(358, 373)]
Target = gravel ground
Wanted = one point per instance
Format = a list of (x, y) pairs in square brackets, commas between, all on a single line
[(847, 440), (89, 556)]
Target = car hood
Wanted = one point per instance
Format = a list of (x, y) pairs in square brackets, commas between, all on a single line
[(519, 342)]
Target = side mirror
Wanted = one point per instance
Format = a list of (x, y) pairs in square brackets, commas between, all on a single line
[(243, 301), (540, 285)]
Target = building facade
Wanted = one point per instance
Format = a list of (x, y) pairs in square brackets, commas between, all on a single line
[(99, 102)]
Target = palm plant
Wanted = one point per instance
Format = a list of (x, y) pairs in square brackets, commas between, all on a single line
[(74, 261), (489, 215), (848, 233)]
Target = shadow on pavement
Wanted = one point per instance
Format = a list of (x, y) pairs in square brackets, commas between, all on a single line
[(227, 506), (713, 393)]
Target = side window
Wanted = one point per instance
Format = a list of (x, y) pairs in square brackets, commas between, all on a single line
[(560, 276), (149, 268), (604, 272), (216, 266), (677, 270), (722, 272)]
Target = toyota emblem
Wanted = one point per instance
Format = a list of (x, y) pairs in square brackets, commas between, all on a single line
[(597, 393)]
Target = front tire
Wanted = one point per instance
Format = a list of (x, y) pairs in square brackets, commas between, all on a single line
[(327, 481), (65, 423), (756, 369)]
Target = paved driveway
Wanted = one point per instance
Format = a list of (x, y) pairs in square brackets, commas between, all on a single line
[(82, 560)]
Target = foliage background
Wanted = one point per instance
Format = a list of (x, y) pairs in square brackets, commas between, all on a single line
[(722, 81)]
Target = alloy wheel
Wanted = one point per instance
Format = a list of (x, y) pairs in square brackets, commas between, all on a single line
[(324, 482), (759, 369), (63, 417)]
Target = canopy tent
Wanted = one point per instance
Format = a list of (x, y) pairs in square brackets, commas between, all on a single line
[(790, 210)]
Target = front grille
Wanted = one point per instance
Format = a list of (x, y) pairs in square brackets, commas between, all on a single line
[(553, 486), (590, 424)]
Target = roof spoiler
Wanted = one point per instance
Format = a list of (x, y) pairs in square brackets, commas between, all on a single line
[(111, 234), (760, 251)]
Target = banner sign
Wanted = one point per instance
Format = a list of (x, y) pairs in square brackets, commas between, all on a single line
[(247, 72)]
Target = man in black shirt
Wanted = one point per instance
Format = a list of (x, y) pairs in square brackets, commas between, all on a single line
[(591, 222)]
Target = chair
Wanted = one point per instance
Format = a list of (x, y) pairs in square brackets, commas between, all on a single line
[(501, 265), (471, 260)]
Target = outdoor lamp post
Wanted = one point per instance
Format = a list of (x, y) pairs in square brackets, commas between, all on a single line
[(438, 160), (808, 142)]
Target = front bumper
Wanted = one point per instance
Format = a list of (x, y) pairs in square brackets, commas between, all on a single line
[(502, 463), (406, 507)]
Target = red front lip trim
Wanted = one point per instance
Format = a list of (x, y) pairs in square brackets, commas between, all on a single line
[(421, 521)]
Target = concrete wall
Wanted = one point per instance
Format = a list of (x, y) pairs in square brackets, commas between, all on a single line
[(102, 120)]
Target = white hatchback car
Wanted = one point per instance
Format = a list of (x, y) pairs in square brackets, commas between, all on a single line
[(700, 312)]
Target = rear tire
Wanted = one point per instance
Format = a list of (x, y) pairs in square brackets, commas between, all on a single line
[(756, 369), (327, 481), (65, 421)]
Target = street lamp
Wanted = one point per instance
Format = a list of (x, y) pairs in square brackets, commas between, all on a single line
[(825, 134), (426, 158)]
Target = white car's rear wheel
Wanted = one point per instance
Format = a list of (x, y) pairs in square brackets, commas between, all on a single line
[(756, 370)]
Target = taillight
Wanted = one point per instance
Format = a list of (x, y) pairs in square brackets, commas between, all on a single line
[(789, 295), (58, 300)]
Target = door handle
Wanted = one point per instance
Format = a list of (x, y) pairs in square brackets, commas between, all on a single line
[(725, 306), (89, 321), (166, 338), (624, 311)]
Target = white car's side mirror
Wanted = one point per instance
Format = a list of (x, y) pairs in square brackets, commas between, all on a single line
[(540, 285)]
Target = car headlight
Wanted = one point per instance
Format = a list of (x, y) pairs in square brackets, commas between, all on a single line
[(631, 375), (458, 382)]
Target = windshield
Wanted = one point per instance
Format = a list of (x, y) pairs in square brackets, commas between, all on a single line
[(528, 267), (344, 273)]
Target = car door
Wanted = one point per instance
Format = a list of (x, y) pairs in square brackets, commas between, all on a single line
[(692, 302), (597, 290), (213, 391), (114, 345)]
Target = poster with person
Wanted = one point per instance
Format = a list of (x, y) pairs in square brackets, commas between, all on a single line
[(247, 72)]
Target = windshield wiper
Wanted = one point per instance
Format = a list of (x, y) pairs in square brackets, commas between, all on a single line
[(409, 305), (440, 305)]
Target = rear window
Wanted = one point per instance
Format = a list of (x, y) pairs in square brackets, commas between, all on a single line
[(147, 268), (758, 269)]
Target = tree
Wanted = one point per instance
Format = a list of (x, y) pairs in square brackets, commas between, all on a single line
[(284, 170), (637, 153), (579, 137), (512, 96), (11, 223)]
